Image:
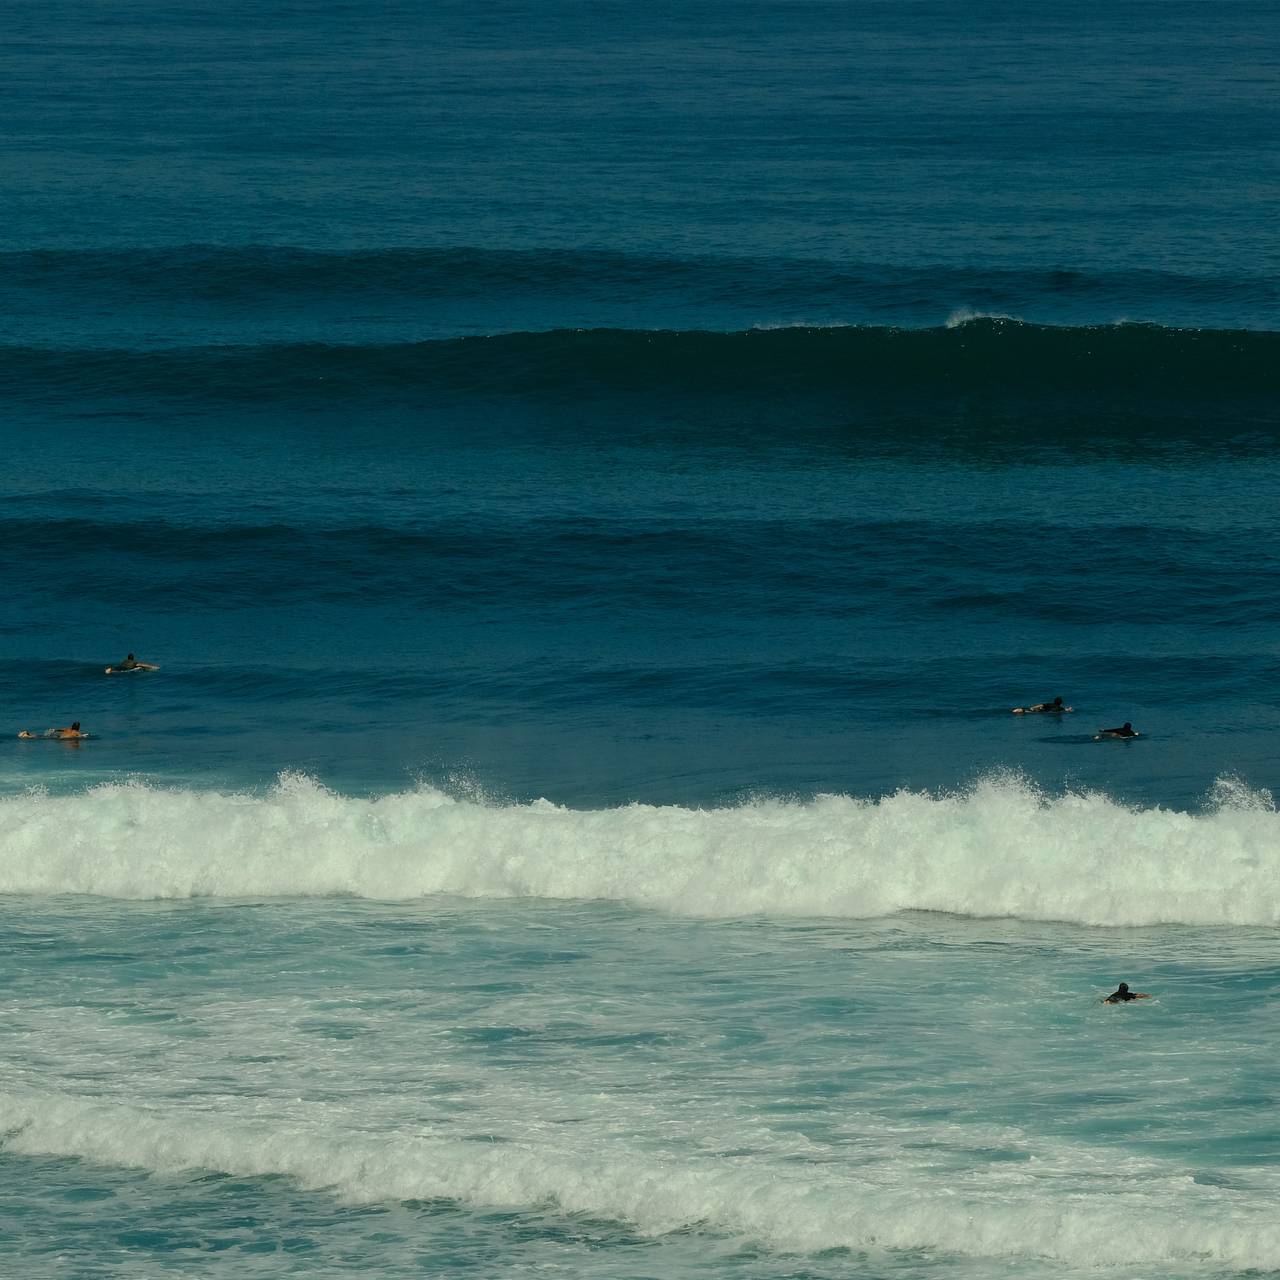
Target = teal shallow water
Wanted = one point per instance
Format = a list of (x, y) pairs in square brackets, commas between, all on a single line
[(334, 1087)]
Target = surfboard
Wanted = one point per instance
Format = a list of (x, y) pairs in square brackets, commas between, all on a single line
[(128, 671), (1103, 736), (27, 736), (1030, 711)]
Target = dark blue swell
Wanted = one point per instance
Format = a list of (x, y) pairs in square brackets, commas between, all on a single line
[(981, 356)]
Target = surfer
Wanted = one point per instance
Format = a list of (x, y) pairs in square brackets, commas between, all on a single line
[(131, 664), (1044, 707), (1124, 994), (72, 732), (1126, 730)]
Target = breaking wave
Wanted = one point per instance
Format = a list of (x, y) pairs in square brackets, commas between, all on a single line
[(1001, 849)]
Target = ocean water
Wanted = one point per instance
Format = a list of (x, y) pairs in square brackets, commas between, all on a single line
[(595, 480)]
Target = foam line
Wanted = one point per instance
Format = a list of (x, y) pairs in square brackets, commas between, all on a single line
[(1001, 849), (792, 1208)]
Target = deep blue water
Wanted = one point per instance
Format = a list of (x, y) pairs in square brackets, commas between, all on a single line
[(595, 479)]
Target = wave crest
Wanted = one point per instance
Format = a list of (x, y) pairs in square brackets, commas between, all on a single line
[(1001, 849)]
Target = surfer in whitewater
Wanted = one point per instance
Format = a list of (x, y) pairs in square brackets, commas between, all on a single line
[(1056, 707), (1123, 995)]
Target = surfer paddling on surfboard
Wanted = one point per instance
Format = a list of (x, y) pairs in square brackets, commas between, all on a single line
[(65, 734), (1126, 730), (1124, 994), (131, 664), (1047, 708)]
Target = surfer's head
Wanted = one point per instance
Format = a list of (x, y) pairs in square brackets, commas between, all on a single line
[(1124, 986), (76, 726), (1127, 725), (129, 658), (1057, 702)]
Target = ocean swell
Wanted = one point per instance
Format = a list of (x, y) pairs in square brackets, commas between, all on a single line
[(274, 274), (982, 355)]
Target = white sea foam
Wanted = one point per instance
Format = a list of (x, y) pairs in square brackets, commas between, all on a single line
[(775, 326), (966, 315), (795, 1206), (1001, 849)]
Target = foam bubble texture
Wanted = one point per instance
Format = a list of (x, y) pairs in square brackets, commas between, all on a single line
[(805, 1208), (1002, 849)]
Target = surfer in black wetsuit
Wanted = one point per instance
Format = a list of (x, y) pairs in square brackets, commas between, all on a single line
[(1048, 708), (1126, 730), (131, 664), (1124, 994)]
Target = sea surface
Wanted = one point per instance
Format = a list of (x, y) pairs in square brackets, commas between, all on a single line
[(595, 479)]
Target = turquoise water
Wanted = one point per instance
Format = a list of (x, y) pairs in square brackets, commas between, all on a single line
[(252, 1087), (595, 480), (299, 1033)]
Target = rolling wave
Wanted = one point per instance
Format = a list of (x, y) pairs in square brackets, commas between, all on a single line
[(266, 274), (761, 565), (1000, 850), (982, 356)]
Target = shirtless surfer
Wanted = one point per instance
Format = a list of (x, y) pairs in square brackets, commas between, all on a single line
[(69, 733), (1048, 708), (1124, 994)]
